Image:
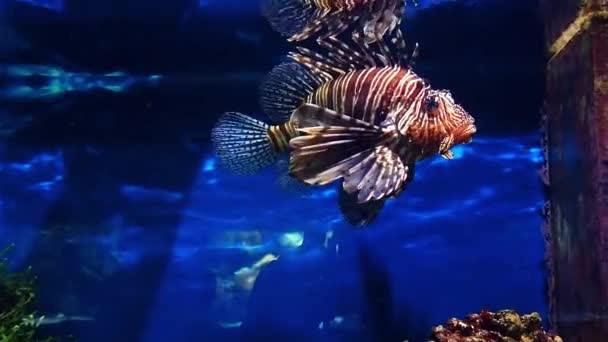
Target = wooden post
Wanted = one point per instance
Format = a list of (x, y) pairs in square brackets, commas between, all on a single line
[(576, 126)]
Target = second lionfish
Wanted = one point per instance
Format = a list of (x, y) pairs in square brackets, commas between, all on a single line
[(301, 19), (362, 122)]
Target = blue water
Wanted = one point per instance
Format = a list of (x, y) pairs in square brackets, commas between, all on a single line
[(465, 236), (110, 190)]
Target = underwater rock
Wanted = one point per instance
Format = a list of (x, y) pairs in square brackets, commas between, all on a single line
[(502, 326)]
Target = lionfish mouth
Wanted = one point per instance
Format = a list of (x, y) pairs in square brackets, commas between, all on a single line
[(472, 129), (467, 133)]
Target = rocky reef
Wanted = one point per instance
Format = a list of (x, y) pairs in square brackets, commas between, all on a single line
[(501, 326)]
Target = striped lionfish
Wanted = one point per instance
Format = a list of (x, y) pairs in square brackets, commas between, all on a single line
[(300, 19), (365, 121)]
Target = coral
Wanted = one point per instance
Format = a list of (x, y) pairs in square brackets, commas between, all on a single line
[(502, 326), (17, 321), (16, 295)]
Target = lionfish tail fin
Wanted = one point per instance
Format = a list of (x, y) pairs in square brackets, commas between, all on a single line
[(285, 88), (358, 214), (289, 17), (242, 143), (330, 144)]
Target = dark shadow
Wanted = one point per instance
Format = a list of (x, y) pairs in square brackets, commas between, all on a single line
[(377, 295), (120, 300)]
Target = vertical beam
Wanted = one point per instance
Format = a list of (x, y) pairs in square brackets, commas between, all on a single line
[(576, 109)]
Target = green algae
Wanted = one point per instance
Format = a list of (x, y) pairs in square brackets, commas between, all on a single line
[(18, 321)]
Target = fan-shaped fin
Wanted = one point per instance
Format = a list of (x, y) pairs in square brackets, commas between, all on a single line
[(381, 175), (285, 88), (242, 143)]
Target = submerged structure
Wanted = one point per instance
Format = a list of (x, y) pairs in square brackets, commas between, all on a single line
[(576, 174)]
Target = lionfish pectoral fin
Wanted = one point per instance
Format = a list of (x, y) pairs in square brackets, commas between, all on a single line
[(242, 143), (330, 145), (382, 174), (449, 155), (446, 143), (355, 213)]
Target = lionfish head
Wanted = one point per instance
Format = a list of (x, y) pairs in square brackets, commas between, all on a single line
[(449, 117)]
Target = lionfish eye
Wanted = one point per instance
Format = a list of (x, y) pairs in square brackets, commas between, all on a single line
[(432, 103)]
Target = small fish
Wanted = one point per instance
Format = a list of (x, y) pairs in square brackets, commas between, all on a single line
[(231, 325), (292, 240), (245, 277), (265, 260), (300, 19), (57, 319), (357, 122), (352, 322)]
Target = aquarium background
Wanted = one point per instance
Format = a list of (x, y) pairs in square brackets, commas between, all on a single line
[(110, 191)]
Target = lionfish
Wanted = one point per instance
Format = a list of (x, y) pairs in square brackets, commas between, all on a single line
[(365, 120), (300, 19)]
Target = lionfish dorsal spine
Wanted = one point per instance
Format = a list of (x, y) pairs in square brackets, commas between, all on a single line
[(354, 34)]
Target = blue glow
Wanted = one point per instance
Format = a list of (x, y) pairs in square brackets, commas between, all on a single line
[(59, 81), (209, 165), (536, 154), (155, 78), (458, 152), (142, 194), (39, 180), (474, 178), (328, 193), (466, 211)]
